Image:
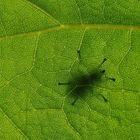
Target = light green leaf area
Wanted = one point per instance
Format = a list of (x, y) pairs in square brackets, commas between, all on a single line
[(38, 49)]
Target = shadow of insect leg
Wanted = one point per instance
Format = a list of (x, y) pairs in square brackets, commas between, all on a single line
[(104, 60), (97, 94), (103, 71), (103, 97), (75, 100), (79, 54), (110, 78), (60, 83)]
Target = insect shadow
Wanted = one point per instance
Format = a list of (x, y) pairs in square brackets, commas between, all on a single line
[(80, 84)]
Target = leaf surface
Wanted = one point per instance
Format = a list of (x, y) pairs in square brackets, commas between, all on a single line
[(38, 49)]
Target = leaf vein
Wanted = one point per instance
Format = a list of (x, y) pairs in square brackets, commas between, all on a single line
[(13, 123), (43, 11)]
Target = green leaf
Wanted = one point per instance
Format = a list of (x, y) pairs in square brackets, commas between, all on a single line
[(38, 49)]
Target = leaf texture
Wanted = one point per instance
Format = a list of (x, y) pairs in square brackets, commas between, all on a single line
[(38, 49)]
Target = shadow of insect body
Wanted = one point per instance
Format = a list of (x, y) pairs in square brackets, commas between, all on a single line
[(80, 84)]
